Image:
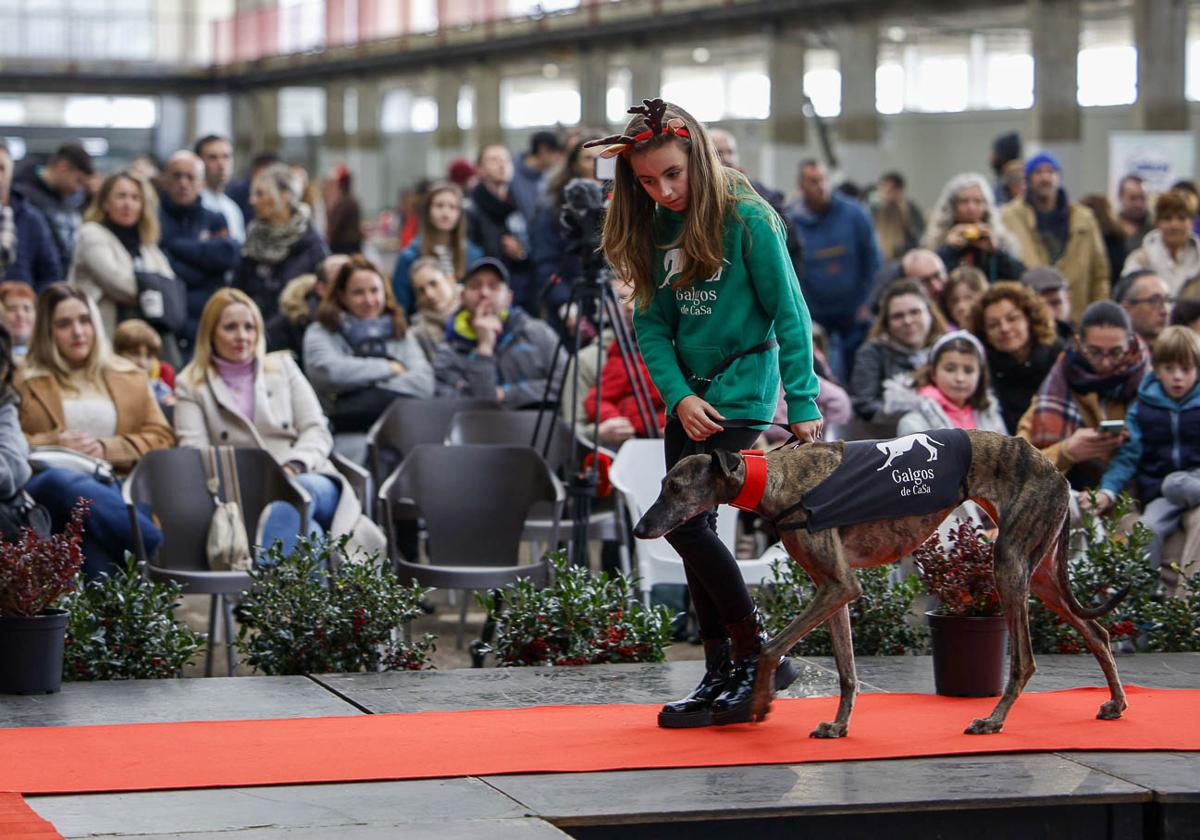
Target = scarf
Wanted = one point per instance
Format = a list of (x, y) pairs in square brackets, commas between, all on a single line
[(268, 243), (459, 329), (8, 238), (960, 416), (1054, 225), (368, 337), (129, 237), (1056, 414)]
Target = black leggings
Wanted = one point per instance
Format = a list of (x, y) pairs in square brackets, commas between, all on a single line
[(714, 580)]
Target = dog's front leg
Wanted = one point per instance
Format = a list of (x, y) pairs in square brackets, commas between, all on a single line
[(843, 657), (820, 555)]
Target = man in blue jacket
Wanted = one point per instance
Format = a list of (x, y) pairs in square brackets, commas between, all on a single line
[(195, 240), (840, 260), (27, 251)]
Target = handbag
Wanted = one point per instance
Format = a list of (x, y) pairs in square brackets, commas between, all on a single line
[(21, 512), (60, 457), (227, 545), (161, 301)]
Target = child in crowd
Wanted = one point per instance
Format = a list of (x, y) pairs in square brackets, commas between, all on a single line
[(17, 304), (141, 344), (1162, 454), (950, 392)]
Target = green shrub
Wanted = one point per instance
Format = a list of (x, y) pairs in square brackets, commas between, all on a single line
[(578, 619), (122, 627), (879, 620), (298, 618)]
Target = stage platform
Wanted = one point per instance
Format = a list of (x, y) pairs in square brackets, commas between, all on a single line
[(1115, 795)]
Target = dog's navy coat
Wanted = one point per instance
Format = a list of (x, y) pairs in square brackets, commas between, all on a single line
[(888, 479)]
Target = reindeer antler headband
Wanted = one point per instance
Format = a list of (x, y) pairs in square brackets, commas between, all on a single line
[(654, 111)]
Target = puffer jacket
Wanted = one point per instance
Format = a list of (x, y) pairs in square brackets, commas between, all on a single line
[(1164, 437), (877, 361), (919, 413)]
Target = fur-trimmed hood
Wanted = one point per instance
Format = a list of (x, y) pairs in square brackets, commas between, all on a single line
[(294, 301)]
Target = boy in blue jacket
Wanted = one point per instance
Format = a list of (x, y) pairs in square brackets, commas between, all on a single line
[(1162, 454)]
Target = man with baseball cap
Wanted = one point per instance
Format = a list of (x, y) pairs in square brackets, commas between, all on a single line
[(1052, 231), (494, 350), (1052, 288)]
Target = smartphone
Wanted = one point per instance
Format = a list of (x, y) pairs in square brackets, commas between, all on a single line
[(606, 168), (1111, 427)]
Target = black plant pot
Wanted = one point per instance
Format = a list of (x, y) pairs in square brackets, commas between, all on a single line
[(968, 654), (31, 652)]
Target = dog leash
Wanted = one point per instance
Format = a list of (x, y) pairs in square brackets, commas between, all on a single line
[(706, 381)]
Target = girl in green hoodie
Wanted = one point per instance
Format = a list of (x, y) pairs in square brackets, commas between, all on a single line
[(720, 320)]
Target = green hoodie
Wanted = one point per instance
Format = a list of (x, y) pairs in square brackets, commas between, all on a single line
[(755, 296)]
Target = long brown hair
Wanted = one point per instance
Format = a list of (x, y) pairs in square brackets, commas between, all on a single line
[(458, 236), (330, 310), (713, 190), (1037, 313), (45, 359), (899, 288)]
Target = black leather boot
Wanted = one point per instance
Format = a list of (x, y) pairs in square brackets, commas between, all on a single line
[(746, 642), (692, 711)]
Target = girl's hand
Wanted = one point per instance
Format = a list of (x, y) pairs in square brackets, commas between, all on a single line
[(807, 431), (1103, 500), (697, 417)]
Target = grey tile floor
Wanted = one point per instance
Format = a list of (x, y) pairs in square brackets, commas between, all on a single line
[(547, 806)]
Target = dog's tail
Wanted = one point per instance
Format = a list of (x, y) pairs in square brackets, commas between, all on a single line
[(1064, 580)]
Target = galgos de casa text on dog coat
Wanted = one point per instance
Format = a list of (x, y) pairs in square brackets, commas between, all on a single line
[(889, 479)]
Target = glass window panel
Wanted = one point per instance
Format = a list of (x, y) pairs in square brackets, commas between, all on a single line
[(824, 88), (394, 111), (1193, 70), (617, 102), (749, 96), (301, 112), (466, 107), (350, 111), (1107, 75), (699, 90), (942, 84), (86, 111), (133, 112), (12, 111), (424, 114), (214, 115), (1009, 81), (889, 88), (528, 101)]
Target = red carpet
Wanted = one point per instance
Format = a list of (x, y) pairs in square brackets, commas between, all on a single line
[(19, 822), (76, 759)]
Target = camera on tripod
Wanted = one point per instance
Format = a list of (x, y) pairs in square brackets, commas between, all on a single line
[(582, 218)]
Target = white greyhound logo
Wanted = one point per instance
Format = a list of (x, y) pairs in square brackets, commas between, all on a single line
[(895, 448)]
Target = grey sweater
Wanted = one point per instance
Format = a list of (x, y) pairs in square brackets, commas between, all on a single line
[(333, 369), (14, 452)]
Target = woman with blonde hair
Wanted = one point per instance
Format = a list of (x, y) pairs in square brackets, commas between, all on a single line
[(236, 394), (75, 393), (281, 242), (119, 238), (965, 229)]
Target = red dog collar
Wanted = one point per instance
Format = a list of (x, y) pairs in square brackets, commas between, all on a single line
[(756, 480)]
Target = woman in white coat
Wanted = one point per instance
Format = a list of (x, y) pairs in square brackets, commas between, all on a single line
[(235, 394), (119, 236)]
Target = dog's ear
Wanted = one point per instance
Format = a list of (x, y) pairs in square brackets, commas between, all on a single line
[(726, 462)]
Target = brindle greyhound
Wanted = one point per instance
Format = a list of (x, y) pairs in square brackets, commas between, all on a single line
[(1016, 485)]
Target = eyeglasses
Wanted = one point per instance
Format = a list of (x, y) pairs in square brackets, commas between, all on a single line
[(927, 279), (1114, 354), (1155, 301)]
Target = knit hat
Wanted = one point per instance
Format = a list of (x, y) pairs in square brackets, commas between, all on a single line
[(461, 171), (1006, 147), (1042, 159)]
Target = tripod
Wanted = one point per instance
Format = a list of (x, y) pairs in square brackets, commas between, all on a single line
[(595, 301)]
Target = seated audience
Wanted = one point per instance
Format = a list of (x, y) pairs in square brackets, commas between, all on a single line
[(965, 228), (1172, 249), (899, 342), (359, 352), (281, 242), (234, 394), (137, 342), (27, 251), (1094, 379), (17, 306), (1050, 285), (438, 297), (965, 285), (1017, 331), (949, 392), (119, 238), (195, 239), (495, 350), (76, 394), (1145, 296), (1161, 453), (441, 234), (618, 413), (298, 304)]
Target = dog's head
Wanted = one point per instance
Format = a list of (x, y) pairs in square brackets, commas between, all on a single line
[(693, 485)]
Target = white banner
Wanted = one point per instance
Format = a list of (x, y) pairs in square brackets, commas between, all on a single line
[(1159, 157)]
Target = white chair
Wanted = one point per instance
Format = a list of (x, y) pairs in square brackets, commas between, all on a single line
[(637, 474)]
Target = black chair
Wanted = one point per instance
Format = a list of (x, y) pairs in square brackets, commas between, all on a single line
[(408, 423), (563, 451), (474, 501), (173, 485)]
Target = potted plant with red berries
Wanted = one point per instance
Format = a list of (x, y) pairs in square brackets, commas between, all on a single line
[(35, 573), (967, 629)]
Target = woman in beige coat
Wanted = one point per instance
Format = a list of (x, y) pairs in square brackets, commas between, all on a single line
[(119, 236), (235, 394)]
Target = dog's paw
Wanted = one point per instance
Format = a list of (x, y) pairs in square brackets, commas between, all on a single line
[(1111, 710), (764, 690), (829, 730), (984, 726)]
